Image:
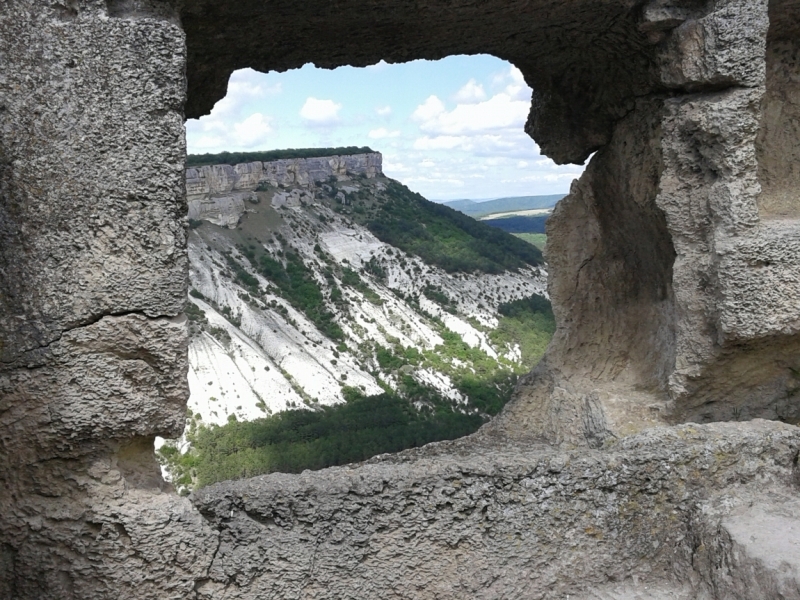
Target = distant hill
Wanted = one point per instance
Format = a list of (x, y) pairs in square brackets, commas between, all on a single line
[(463, 205), (519, 224), (490, 207)]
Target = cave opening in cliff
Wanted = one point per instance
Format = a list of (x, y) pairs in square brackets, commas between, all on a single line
[(332, 304)]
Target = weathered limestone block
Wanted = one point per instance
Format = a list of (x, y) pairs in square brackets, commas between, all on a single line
[(761, 287), (93, 277), (676, 300), (114, 379), (222, 210), (674, 281), (751, 551), (720, 48), (91, 222), (495, 522), (777, 148), (102, 527)]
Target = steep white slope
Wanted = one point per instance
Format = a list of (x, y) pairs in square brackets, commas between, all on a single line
[(253, 352), (297, 353), (294, 352)]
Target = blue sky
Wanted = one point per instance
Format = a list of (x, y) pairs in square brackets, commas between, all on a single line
[(447, 129)]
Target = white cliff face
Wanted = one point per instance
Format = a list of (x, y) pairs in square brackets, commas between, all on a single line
[(219, 193), (223, 179), (255, 352)]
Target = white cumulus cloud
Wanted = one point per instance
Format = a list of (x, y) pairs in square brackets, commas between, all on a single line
[(320, 112), (232, 125), (249, 84), (471, 93), (428, 110), (215, 135), (512, 82), (500, 112), (441, 142), (384, 111), (252, 130)]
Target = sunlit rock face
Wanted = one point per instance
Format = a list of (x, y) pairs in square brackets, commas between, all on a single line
[(272, 356), (218, 193), (673, 272)]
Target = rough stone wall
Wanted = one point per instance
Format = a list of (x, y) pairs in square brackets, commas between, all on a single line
[(93, 276), (675, 279), (517, 523), (610, 259), (736, 274), (674, 260)]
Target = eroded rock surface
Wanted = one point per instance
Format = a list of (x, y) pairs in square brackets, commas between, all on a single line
[(673, 261), (674, 275), (93, 273), (467, 520), (218, 193)]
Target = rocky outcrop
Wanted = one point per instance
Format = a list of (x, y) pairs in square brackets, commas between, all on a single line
[(673, 269), (221, 179), (218, 193), (93, 273), (673, 261)]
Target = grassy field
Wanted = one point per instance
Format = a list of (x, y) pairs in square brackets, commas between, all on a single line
[(537, 239)]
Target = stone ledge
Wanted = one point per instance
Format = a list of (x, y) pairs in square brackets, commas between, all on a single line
[(424, 523)]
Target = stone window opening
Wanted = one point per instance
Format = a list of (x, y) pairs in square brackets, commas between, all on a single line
[(631, 461)]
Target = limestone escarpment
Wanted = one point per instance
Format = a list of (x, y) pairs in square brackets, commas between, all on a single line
[(218, 192), (690, 109), (216, 179)]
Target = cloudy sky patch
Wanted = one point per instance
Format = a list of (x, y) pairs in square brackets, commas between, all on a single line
[(321, 112), (448, 129)]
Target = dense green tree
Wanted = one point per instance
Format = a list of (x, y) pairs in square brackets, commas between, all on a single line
[(295, 440)]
